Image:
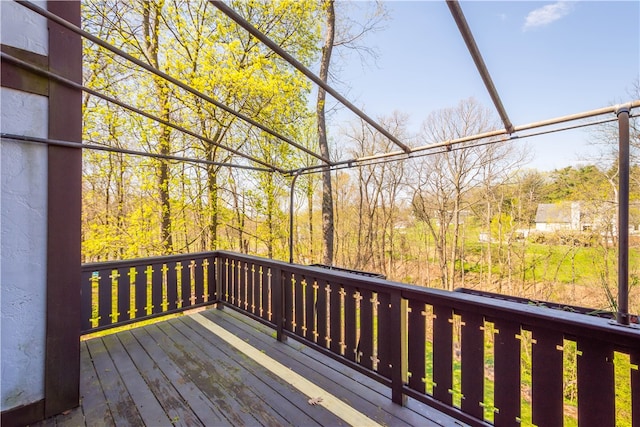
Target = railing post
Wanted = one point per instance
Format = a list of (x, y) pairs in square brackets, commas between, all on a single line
[(218, 280), (398, 348), (623, 216)]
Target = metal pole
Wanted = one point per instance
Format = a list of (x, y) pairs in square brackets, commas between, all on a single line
[(623, 215), (238, 19), (293, 185), (68, 25), (465, 31), (136, 110)]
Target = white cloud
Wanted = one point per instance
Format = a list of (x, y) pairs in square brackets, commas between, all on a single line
[(546, 15)]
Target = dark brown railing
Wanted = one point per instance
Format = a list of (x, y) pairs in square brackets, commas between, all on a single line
[(119, 292), (482, 360)]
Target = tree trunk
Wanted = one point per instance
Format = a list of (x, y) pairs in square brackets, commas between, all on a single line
[(212, 189), (327, 193), (151, 25), (163, 185)]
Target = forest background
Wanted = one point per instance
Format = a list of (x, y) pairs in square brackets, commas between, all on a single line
[(462, 218)]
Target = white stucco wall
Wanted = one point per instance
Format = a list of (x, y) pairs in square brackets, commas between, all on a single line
[(23, 28), (23, 222)]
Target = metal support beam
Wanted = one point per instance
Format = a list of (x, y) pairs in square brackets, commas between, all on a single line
[(76, 29), (235, 16), (623, 215), (292, 189), (461, 22)]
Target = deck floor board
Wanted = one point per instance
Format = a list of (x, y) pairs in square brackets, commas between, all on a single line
[(143, 398), (222, 380), (178, 372), (118, 398), (362, 392), (94, 410), (340, 383), (153, 341), (267, 394)]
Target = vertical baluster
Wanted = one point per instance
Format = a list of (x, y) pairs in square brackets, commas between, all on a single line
[(265, 304), (156, 287), (399, 344), (546, 377), (214, 279), (288, 280), (254, 290), (442, 354), (124, 294), (104, 297), (335, 313), (257, 290), (365, 343), (323, 314), (141, 291), (198, 271), (596, 390), (172, 286), (350, 295), (241, 285), (193, 267), (237, 283), (384, 335), (277, 303), (507, 374), (164, 298), (417, 343), (208, 279), (472, 363), (231, 278), (185, 284), (223, 265), (86, 292), (299, 289), (310, 310)]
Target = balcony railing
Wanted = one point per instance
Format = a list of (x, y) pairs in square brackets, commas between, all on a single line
[(119, 292), (482, 360)]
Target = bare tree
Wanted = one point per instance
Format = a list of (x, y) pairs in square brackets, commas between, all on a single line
[(443, 180), (380, 187)]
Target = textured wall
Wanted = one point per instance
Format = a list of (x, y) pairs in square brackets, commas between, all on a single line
[(23, 222)]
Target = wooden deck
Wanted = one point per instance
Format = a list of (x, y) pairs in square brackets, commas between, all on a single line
[(218, 367)]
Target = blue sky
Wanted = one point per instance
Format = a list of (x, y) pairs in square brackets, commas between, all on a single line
[(547, 59)]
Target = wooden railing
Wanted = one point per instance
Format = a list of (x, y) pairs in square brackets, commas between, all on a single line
[(120, 292), (482, 360)]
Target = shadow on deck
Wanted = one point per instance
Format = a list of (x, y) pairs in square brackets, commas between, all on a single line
[(218, 367)]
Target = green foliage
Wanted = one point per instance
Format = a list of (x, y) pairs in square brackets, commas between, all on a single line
[(137, 207), (577, 184)]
